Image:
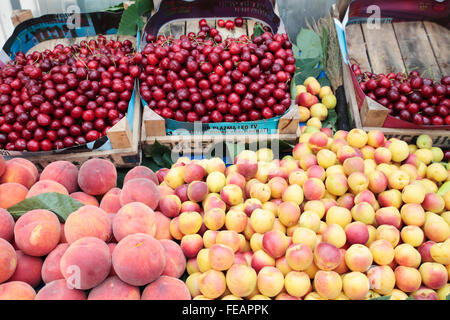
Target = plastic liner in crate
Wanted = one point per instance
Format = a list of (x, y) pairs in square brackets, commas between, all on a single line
[(58, 26), (179, 10), (362, 11)]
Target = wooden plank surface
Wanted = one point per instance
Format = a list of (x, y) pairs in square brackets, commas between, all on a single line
[(356, 46), (382, 46), (439, 37), (416, 48)]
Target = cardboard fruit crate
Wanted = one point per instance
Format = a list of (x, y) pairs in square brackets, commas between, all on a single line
[(200, 139), (122, 144), (413, 38)]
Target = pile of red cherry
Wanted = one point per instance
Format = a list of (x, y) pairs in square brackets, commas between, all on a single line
[(199, 77), (409, 97), (67, 96)]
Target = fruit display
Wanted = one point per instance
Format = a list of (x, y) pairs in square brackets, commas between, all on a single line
[(347, 216), (67, 95), (311, 111), (411, 97), (202, 77)]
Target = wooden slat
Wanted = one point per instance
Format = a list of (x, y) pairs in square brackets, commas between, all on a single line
[(382, 46), (416, 48), (357, 47), (372, 113), (250, 27), (192, 25), (440, 42)]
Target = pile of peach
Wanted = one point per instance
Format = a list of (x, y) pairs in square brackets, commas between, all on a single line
[(112, 248)]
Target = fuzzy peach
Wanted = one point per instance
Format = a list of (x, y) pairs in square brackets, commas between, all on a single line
[(413, 214), (355, 285), (382, 252), (336, 184), (262, 220), (328, 284), (304, 236), (378, 181), (221, 257), (241, 280), (309, 219), (270, 281), (363, 212), (357, 232), (335, 235), (389, 233)]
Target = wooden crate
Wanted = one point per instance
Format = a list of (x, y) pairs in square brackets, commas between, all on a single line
[(153, 125), (396, 47), (126, 152)]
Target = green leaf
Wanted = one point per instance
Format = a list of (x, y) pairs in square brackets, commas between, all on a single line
[(382, 298), (129, 21), (448, 297), (309, 43), (410, 298), (59, 204)]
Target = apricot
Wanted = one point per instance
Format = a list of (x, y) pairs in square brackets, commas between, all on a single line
[(212, 284), (389, 216), (382, 279), (261, 259), (297, 284), (336, 184), (305, 236), (357, 232), (328, 284), (412, 235), (358, 258), (434, 275), (215, 181), (275, 243), (241, 280), (406, 255), (407, 279), (191, 244), (335, 235), (338, 215), (270, 281), (189, 222), (326, 256), (236, 220), (299, 257), (440, 252), (355, 285), (382, 252), (192, 284)]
